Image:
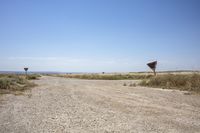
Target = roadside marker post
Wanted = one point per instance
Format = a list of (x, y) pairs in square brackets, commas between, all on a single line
[(26, 70)]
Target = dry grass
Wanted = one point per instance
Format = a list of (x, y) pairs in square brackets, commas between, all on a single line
[(14, 83), (187, 82), (33, 77), (107, 76)]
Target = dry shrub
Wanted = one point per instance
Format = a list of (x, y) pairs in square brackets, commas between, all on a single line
[(12, 83), (33, 77), (133, 85), (106, 76), (189, 82), (124, 84)]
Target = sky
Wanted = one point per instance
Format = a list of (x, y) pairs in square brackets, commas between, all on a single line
[(99, 35)]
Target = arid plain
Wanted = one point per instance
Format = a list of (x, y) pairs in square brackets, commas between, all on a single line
[(75, 105)]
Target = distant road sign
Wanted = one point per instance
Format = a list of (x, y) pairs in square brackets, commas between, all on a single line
[(26, 69), (153, 65)]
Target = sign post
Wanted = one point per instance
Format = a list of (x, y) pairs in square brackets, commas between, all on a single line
[(153, 65), (26, 70)]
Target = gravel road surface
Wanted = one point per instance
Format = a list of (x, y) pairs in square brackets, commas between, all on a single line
[(96, 106)]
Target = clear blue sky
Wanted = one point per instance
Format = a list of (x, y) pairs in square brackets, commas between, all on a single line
[(99, 35)]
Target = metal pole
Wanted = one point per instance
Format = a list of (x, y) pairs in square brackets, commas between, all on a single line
[(26, 75), (154, 71)]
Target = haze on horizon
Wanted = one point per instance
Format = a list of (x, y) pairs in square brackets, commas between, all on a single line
[(99, 35)]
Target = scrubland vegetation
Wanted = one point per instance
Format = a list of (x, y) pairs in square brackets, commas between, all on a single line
[(33, 77), (11, 83), (108, 76), (181, 81), (185, 82)]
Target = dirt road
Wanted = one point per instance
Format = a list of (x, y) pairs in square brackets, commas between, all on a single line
[(83, 106)]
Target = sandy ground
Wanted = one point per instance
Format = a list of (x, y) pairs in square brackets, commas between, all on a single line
[(86, 106)]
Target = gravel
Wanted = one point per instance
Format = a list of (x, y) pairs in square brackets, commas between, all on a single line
[(97, 106)]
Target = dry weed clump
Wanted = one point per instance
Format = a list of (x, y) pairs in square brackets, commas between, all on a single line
[(107, 76), (189, 82), (12, 83)]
